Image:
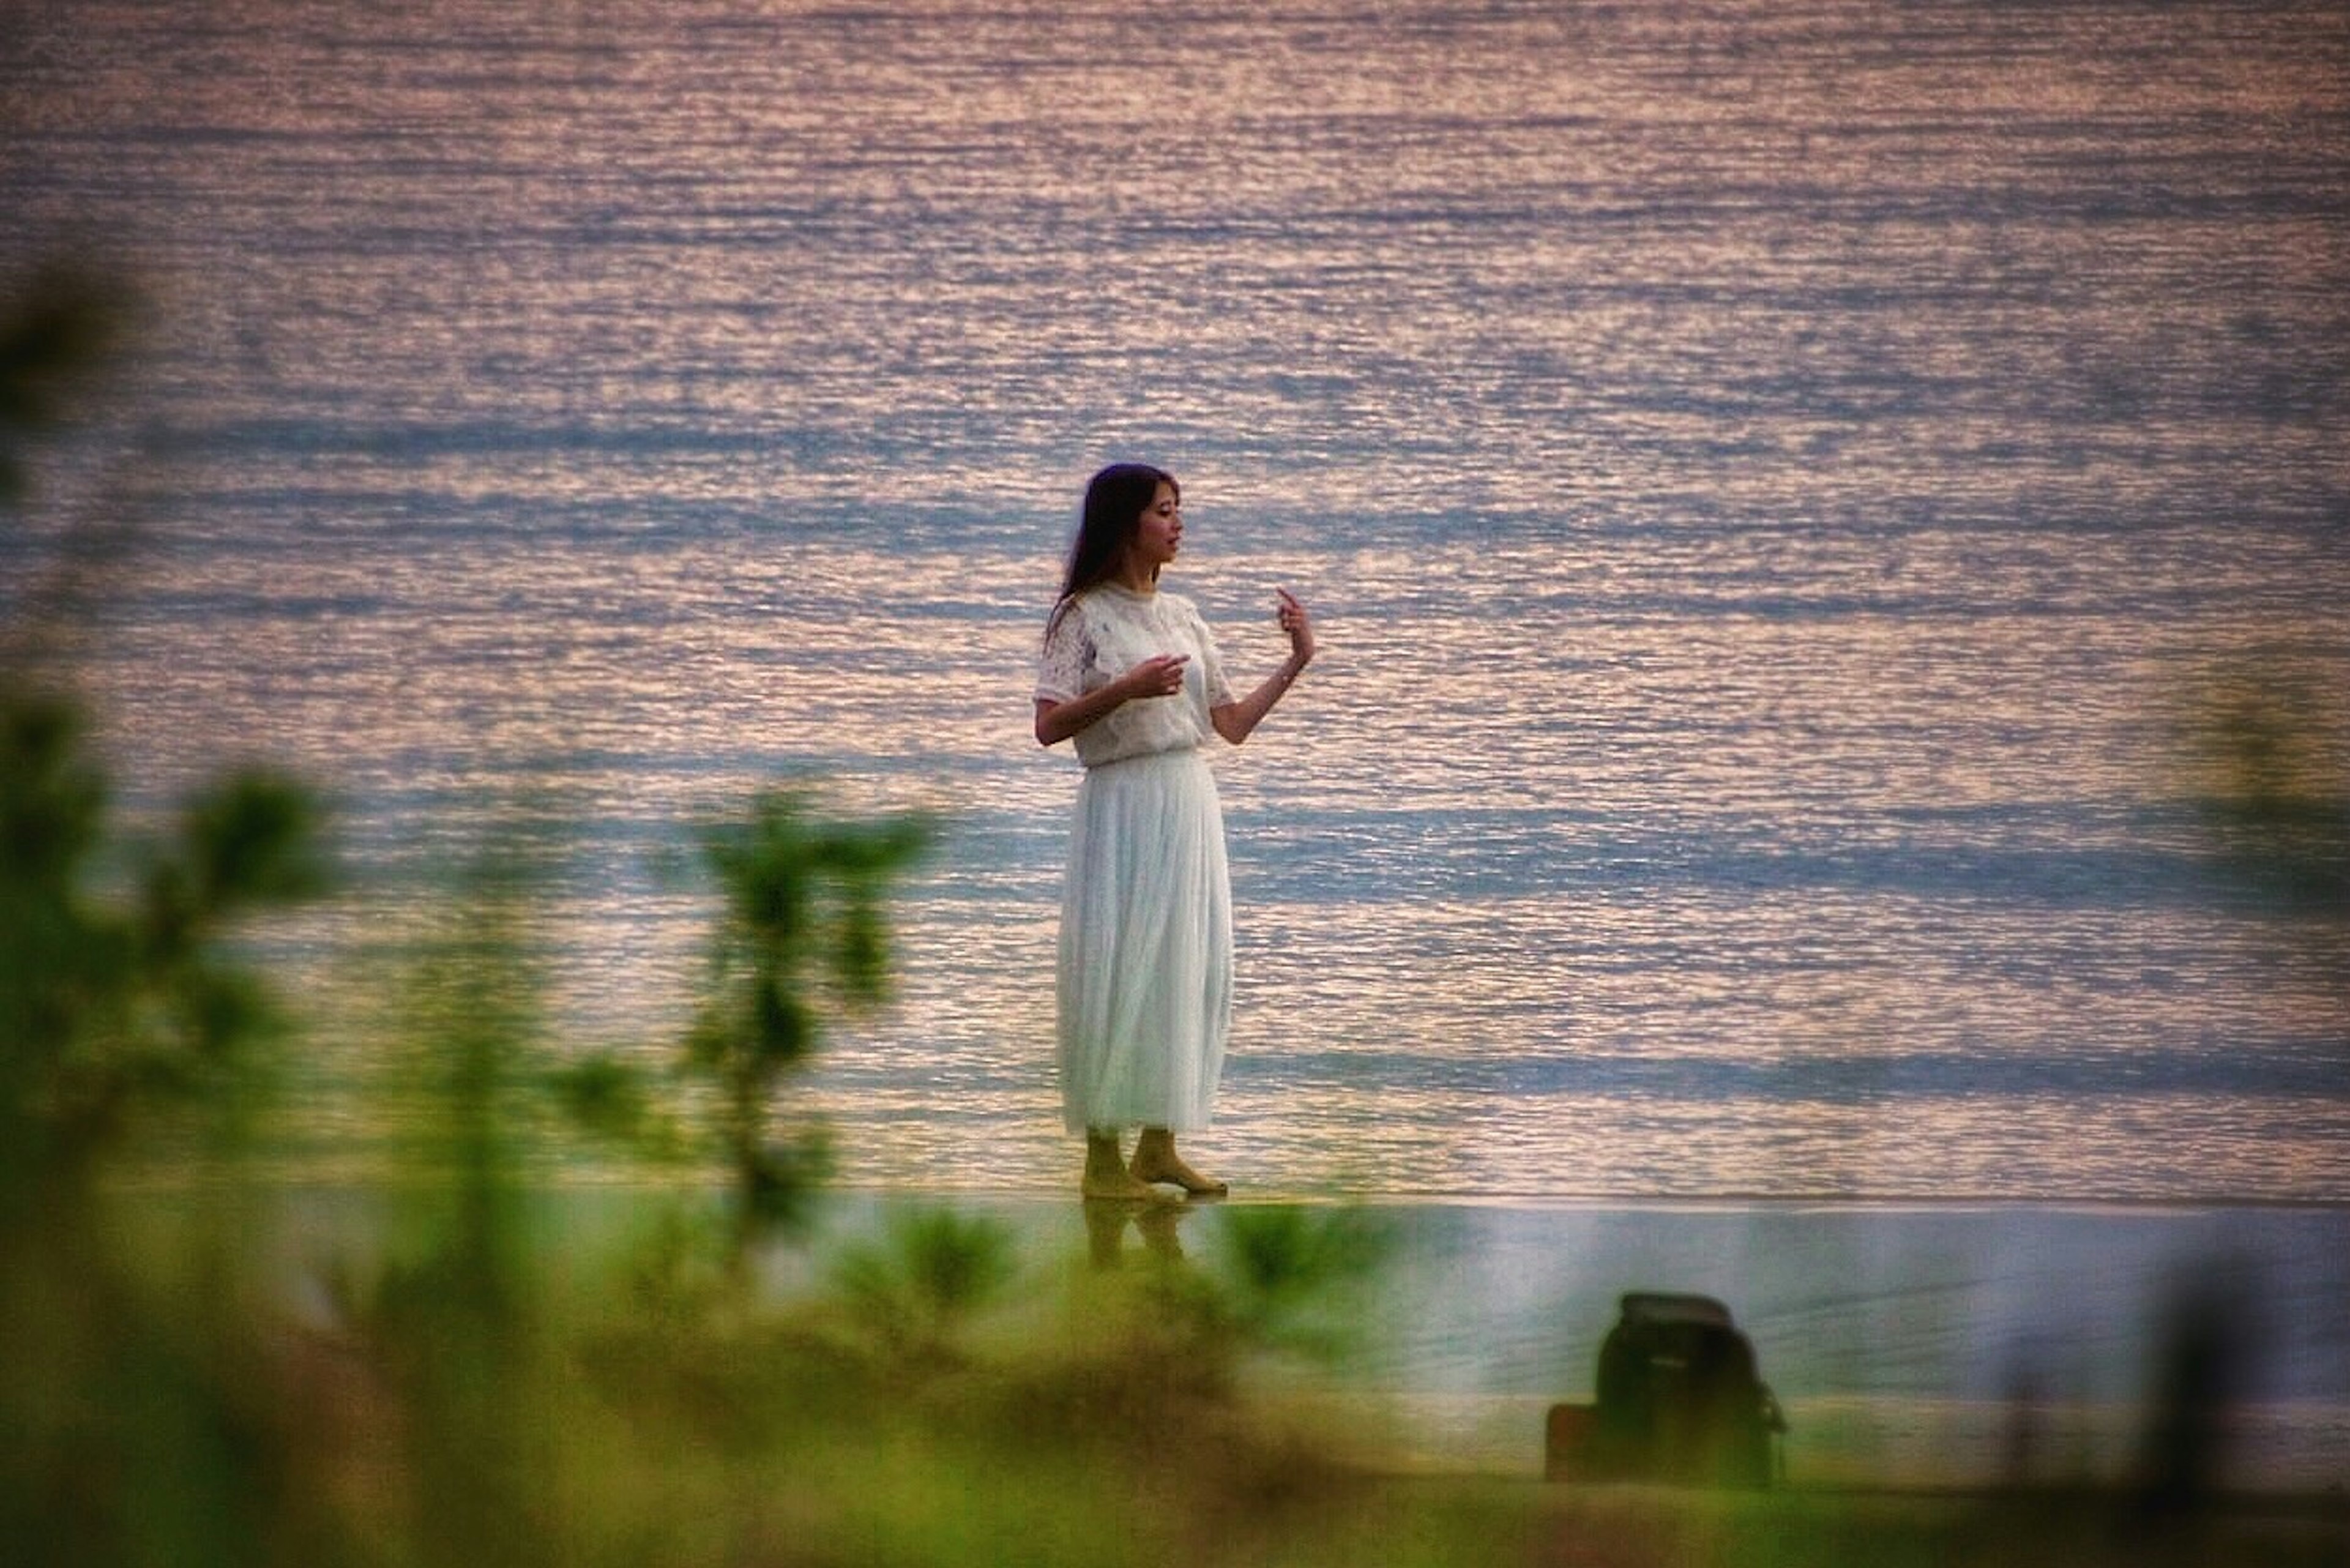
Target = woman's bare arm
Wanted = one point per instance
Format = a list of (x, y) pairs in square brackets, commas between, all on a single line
[(1160, 676), (1235, 722)]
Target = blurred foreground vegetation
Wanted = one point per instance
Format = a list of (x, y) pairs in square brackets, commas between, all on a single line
[(464, 1374)]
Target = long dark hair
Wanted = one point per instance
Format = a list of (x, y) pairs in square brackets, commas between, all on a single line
[(1116, 500)]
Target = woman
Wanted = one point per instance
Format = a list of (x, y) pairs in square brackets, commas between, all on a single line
[(1146, 955)]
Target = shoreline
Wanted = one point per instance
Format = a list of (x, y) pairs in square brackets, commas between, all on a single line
[(1582, 1201), (290, 1176)]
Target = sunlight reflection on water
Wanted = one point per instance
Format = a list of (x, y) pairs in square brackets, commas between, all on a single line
[(1772, 485)]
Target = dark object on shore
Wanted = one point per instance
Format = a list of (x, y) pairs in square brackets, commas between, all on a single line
[(1679, 1400)]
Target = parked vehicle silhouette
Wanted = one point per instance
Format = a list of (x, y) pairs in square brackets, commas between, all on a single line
[(1677, 1400)]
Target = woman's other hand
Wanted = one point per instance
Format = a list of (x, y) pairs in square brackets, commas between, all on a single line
[(1298, 625), (1161, 675)]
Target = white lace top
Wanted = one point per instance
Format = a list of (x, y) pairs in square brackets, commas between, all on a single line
[(1105, 631)]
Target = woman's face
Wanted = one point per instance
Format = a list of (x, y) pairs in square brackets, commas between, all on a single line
[(1160, 531)]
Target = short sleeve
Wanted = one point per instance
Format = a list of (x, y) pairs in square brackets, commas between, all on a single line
[(1069, 650), (1212, 665)]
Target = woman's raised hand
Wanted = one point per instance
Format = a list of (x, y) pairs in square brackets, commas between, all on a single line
[(1160, 675), (1297, 624)]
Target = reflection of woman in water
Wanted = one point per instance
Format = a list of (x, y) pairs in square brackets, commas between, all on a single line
[(1146, 954)]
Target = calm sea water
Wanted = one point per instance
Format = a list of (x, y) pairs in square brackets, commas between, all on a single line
[(1779, 484)]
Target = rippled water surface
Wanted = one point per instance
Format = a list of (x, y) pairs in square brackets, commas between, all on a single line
[(1779, 484)]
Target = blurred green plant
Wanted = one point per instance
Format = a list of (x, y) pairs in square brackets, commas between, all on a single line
[(138, 1405), (914, 1289), (111, 998), (802, 938), (120, 1006), (1295, 1278), (454, 1329)]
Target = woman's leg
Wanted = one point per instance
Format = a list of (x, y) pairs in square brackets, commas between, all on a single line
[(1155, 1159), (1106, 1172)]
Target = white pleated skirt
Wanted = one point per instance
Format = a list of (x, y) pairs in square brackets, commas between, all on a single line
[(1146, 957)]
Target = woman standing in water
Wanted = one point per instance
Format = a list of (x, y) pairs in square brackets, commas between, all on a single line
[(1144, 988)]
